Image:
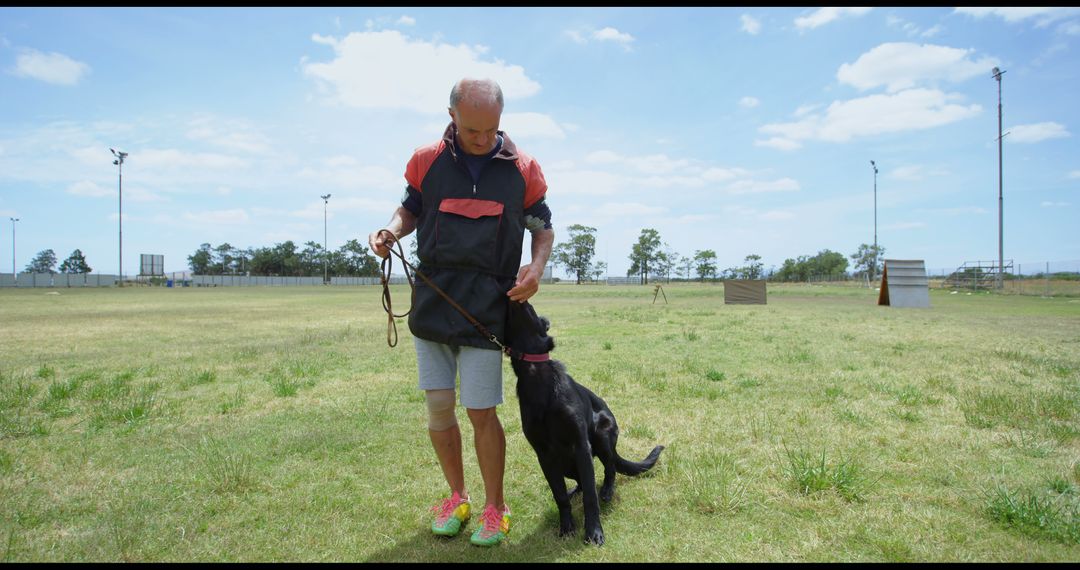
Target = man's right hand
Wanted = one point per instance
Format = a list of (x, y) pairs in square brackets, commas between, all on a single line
[(381, 241)]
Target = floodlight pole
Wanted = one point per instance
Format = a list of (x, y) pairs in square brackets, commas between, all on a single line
[(997, 73), (326, 257), (874, 268), (13, 274), (119, 162)]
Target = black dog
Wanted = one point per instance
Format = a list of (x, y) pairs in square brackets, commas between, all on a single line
[(566, 424)]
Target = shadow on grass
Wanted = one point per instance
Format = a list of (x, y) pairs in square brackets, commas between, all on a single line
[(541, 544)]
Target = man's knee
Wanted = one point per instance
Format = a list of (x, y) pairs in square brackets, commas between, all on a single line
[(440, 405), (483, 417)]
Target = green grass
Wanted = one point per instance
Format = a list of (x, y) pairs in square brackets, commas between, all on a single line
[(274, 424)]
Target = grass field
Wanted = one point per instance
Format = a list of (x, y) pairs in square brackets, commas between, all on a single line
[(274, 424)]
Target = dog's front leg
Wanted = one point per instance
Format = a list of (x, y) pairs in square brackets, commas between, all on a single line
[(594, 533), (554, 475)]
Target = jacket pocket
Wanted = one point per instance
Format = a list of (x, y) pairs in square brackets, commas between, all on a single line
[(466, 233)]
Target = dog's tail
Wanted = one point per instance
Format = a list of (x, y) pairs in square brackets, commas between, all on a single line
[(631, 468)]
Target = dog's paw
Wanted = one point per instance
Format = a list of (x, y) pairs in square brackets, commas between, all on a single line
[(595, 536), (567, 531), (606, 493)]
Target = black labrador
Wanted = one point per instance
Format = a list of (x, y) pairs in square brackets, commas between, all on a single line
[(566, 424)]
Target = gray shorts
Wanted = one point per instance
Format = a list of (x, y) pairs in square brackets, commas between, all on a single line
[(481, 372)]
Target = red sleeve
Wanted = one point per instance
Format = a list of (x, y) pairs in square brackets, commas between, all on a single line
[(535, 185), (420, 163)]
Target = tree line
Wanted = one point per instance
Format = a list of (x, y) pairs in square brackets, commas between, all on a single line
[(285, 259), (45, 262), (651, 256)]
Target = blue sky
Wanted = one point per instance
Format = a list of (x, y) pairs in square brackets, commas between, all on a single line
[(741, 130)]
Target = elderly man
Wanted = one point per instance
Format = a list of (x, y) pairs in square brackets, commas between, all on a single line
[(470, 197)]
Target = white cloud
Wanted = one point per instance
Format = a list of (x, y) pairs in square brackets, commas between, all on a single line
[(659, 164), (603, 157), (750, 24), (228, 134), (779, 143), (55, 68), (627, 209), (823, 16), (962, 211), (1036, 132), (909, 110), (912, 29), (915, 173), (344, 174), (388, 70), (1017, 14), (90, 190), (749, 102), (610, 34), (902, 65), (531, 125), (1074, 174), (607, 34), (905, 226), (777, 216), (1055, 204), (759, 186), (576, 36), (234, 216), (406, 21), (173, 159)]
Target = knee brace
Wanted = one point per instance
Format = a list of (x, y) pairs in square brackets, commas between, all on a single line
[(440, 405)]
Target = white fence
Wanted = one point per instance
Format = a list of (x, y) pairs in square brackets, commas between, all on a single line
[(58, 280), (245, 281)]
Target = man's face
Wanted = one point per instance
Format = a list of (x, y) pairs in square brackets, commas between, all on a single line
[(476, 126)]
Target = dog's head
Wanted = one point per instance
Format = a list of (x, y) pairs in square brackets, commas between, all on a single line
[(526, 331)]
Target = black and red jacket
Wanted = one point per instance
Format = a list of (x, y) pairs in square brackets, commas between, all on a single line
[(469, 237)]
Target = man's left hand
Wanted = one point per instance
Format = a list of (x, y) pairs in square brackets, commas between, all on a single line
[(526, 286)]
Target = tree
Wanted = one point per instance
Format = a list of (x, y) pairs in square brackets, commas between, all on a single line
[(686, 264), (829, 263), (75, 263), (357, 259), (666, 261), (868, 260), (705, 261), (753, 267), (644, 254), (826, 262), (311, 259), (598, 270), (224, 259), (575, 255), (44, 262), (200, 261)]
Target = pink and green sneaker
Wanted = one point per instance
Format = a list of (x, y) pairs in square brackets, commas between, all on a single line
[(450, 515), (494, 527)]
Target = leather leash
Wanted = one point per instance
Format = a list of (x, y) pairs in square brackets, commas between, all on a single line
[(388, 264)]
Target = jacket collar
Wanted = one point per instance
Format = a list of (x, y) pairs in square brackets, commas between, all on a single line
[(507, 152)]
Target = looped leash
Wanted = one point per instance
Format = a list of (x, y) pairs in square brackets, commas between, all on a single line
[(387, 265)]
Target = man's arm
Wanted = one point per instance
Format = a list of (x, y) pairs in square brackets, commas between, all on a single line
[(528, 279), (402, 223)]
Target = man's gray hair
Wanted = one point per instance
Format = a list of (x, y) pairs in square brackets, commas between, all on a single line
[(477, 91)]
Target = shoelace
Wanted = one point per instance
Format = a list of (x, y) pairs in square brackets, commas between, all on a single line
[(492, 519), (446, 508)]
